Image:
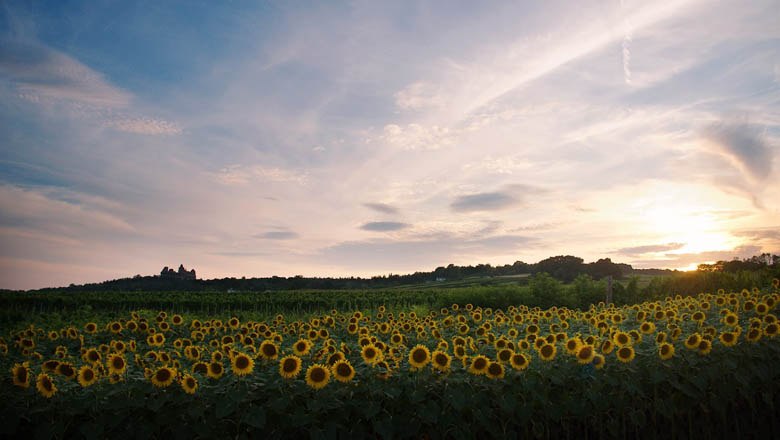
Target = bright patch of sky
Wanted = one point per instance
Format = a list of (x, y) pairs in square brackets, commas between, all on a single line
[(362, 138)]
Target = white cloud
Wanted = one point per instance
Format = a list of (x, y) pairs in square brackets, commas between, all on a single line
[(419, 95), (41, 73), (417, 137), (242, 175), (148, 126)]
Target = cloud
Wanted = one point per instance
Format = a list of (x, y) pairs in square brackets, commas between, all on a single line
[(417, 137), (242, 175), (384, 226), (648, 249), (498, 165), (39, 73), (771, 233), (60, 213), (382, 207), (743, 144), (148, 126), (277, 235), (488, 201), (418, 95)]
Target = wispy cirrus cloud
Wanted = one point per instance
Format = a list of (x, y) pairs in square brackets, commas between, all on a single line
[(649, 249), (142, 125), (489, 201), (242, 175), (39, 72), (277, 235), (743, 144), (382, 207), (51, 79), (384, 226)]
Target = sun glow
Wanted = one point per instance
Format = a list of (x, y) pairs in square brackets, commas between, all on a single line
[(696, 231)]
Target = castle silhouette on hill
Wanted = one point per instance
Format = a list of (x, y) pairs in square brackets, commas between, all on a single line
[(181, 274)]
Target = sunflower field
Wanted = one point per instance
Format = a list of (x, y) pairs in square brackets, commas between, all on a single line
[(699, 366)]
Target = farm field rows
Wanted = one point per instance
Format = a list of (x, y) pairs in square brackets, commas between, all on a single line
[(681, 366)]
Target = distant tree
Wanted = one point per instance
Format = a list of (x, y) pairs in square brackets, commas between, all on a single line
[(561, 267), (602, 268)]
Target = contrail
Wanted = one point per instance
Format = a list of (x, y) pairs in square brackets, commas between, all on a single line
[(627, 31)]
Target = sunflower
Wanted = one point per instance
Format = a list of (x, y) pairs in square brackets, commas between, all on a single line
[(50, 366), (419, 356), (731, 319), (290, 366), (302, 347), (66, 369), (343, 371), (116, 364), (21, 375), (370, 354), (86, 376), (163, 377), (665, 351), (547, 352), (598, 361), (495, 370), (269, 350), (200, 368), (585, 354), (45, 385), (242, 365), (115, 327), (317, 376), (335, 357), (625, 354), (216, 370), (91, 328), (729, 339), (504, 355), (188, 383), (440, 361), (573, 345), (692, 341), (519, 361), (621, 339), (192, 352), (705, 347), (771, 329), (647, 327), (479, 365)]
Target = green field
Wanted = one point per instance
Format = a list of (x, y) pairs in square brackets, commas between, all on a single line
[(436, 363)]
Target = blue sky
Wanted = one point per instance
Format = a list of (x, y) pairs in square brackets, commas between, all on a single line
[(363, 138)]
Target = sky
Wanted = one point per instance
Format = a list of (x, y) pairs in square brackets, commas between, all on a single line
[(259, 138)]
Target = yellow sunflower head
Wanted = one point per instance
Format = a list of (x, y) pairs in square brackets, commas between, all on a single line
[(290, 367), (188, 383), (625, 354), (45, 385), (21, 375), (419, 356), (317, 376), (479, 365), (163, 377), (343, 371), (242, 364), (87, 376)]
